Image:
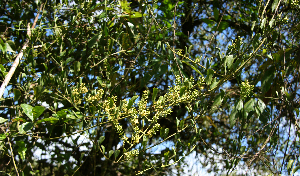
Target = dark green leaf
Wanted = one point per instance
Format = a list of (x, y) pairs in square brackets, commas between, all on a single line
[(222, 26), (117, 152), (182, 90), (214, 83), (216, 13), (219, 98), (232, 118), (93, 40), (267, 79), (110, 153), (162, 132), (242, 150), (25, 127), (296, 169), (17, 94), (131, 101), (77, 66), (209, 76), (37, 111), (21, 149), (111, 102), (101, 139)]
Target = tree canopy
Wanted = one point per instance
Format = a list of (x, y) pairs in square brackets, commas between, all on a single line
[(133, 87)]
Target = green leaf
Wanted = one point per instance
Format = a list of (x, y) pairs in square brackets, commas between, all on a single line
[(38, 90), (103, 149), (182, 90), (21, 149), (162, 70), (192, 66), (17, 94), (296, 169), (77, 65), (111, 102), (28, 110), (2, 120), (253, 25), (209, 76), (2, 137), (145, 139), (2, 69), (263, 23), (250, 105), (101, 139), (110, 153), (260, 107), (52, 120), (214, 83), (240, 105), (162, 132), (166, 132), (155, 91), (208, 22), (219, 98), (124, 5), (242, 149), (94, 40), (289, 165), (37, 111), (62, 114), (117, 152), (228, 62), (216, 13), (274, 5), (10, 46), (25, 127), (222, 26), (232, 118), (135, 15), (271, 23), (267, 79), (131, 101)]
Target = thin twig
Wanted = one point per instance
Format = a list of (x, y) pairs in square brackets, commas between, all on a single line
[(12, 156), (19, 56)]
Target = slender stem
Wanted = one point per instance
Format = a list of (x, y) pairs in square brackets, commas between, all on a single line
[(12, 156)]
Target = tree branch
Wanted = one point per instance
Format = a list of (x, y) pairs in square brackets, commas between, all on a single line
[(19, 56)]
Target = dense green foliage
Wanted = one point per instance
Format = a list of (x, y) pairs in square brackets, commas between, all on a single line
[(123, 88)]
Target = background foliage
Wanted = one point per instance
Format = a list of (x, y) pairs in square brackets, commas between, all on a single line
[(216, 78)]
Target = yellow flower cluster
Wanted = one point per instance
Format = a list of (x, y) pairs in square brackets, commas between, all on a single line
[(130, 154), (138, 113), (246, 89), (78, 92), (97, 97)]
